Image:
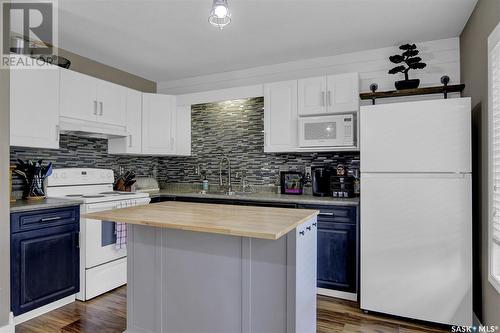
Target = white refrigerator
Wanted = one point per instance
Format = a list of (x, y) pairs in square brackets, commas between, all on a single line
[(416, 210)]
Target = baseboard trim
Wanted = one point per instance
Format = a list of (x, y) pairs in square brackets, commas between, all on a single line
[(136, 330), (8, 328), (337, 294), (42, 310)]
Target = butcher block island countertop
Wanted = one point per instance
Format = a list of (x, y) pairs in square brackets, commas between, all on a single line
[(196, 267), (243, 221)]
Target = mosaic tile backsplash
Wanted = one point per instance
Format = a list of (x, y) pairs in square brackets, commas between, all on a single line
[(235, 129), (232, 128), (78, 152)]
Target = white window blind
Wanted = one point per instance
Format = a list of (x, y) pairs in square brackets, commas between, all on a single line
[(494, 158)]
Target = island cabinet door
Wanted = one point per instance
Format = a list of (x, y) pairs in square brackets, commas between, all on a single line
[(337, 256), (45, 266)]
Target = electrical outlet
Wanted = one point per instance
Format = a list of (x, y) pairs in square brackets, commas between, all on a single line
[(308, 170)]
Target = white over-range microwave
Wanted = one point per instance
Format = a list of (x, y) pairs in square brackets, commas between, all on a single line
[(326, 131)]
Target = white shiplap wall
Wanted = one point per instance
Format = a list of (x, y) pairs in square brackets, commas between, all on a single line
[(442, 57)]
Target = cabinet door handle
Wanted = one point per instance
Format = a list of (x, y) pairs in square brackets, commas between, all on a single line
[(58, 132), (95, 108), (329, 97), (130, 140), (77, 240), (49, 219), (326, 214), (172, 141), (101, 104), (322, 98)]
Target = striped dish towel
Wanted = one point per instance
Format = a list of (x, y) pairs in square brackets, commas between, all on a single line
[(121, 236)]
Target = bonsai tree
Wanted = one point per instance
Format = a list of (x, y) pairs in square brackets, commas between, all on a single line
[(409, 58)]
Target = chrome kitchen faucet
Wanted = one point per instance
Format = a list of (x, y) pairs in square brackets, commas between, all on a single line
[(229, 186)]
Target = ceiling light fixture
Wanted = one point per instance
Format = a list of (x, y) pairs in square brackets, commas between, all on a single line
[(219, 15)]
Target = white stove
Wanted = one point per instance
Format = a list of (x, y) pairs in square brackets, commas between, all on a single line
[(89, 185), (103, 267)]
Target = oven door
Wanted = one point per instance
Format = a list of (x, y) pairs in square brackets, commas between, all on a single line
[(326, 131), (100, 237)]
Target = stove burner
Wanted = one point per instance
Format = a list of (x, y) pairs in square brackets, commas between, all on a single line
[(94, 196)]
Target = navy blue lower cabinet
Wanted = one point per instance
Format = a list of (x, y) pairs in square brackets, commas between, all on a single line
[(45, 261), (338, 247), (337, 256)]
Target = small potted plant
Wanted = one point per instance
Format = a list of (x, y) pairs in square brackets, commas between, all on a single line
[(33, 174), (408, 60)]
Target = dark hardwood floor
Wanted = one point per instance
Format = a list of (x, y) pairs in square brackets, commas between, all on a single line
[(107, 314)]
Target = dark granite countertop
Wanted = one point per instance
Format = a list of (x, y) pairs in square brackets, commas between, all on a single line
[(25, 205), (262, 196)]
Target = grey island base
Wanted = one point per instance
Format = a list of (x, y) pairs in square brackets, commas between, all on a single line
[(225, 273)]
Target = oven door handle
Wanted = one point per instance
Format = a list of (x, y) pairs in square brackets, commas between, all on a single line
[(103, 206), (94, 208)]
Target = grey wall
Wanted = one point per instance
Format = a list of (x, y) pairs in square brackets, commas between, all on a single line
[(108, 73), (474, 69), (4, 199)]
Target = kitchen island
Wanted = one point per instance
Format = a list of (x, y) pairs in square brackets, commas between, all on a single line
[(206, 268)]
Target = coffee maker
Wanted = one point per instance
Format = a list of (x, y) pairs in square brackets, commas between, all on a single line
[(342, 182), (321, 181)]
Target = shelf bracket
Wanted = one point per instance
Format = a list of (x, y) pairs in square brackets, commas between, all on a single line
[(445, 80), (373, 88)]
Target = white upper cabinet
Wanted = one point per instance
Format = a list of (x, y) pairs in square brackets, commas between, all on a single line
[(111, 102), (86, 98), (158, 124), (312, 95), (134, 121), (78, 96), (280, 116), (343, 93), (34, 108), (132, 143), (183, 131), (328, 94), (155, 126)]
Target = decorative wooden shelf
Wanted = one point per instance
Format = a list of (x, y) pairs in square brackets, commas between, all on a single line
[(445, 89)]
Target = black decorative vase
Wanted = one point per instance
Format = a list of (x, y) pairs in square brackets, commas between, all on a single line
[(407, 84)]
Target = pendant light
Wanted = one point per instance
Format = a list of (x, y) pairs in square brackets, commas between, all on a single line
[(219, 15)]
